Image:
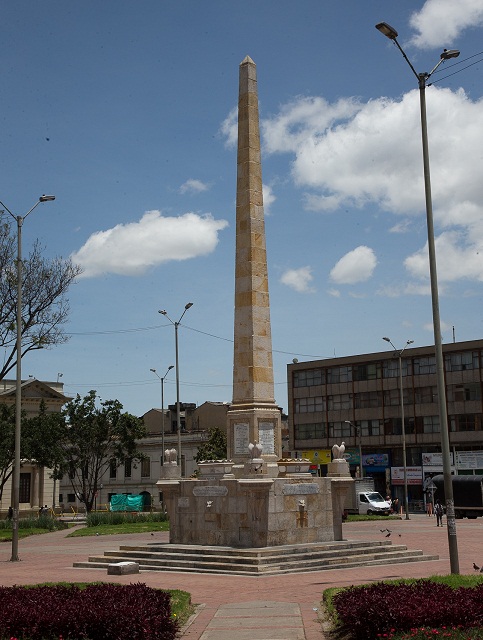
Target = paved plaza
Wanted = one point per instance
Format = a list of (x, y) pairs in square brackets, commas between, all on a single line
[(239, 607)]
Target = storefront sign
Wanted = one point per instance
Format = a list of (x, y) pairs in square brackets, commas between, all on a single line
[(414, 475), (375, 461), (317, 456)]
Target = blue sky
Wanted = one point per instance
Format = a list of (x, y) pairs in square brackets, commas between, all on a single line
[(125, 111)]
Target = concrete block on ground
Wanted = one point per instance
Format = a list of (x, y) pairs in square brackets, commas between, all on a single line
[(122, 568)]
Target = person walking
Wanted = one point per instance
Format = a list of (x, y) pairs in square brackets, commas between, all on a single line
[(438, 512)]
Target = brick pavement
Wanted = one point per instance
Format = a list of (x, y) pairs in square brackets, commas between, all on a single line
[(283, 607)]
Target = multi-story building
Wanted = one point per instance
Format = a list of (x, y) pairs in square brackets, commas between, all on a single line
[(356, 399)]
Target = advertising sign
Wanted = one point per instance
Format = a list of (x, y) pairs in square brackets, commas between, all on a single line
[(317, 456), (375, 461), (414, 475), (469, 459), (434, 459)]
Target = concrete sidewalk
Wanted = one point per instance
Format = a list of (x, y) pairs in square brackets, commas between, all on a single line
[(283, 607)]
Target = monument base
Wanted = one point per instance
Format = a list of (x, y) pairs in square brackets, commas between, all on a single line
[(255, 511)]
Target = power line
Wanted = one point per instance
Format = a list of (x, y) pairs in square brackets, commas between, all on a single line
[(448, 75), (205, 333)]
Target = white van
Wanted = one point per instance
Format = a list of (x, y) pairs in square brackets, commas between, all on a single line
[(372, 503)]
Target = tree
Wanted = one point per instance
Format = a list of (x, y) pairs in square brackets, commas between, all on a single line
[(39, 442), (94, 439), (214, 448), (7, 443), (45, 308)]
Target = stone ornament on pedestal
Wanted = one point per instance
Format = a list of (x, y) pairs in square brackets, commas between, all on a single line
[(170, 469), (256, 465), (338, 468)]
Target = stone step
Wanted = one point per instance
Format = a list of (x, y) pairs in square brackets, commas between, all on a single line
[(169, 555), (174, 558)]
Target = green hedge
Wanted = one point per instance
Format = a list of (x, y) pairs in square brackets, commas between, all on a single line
[(97, 518), (40, 522)]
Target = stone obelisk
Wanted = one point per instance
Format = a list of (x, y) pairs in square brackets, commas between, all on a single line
[(254, 416)]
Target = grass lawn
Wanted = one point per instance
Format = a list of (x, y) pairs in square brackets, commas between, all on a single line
[(111, 529), (365, 518), (6, 534)]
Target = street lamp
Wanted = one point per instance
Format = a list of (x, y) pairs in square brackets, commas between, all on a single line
[(162, 407), (18, 389), (178, 417), (358, 432), (422, 78), (399, 353)]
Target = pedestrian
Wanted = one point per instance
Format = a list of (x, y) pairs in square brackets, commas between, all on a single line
[(438, 512), (10, 513), (429, 503), (395, 506)]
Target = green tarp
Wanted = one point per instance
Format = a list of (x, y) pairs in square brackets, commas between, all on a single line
[(121, 502)]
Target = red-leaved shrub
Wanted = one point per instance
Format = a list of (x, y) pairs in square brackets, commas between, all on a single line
[(96, 612), (365, 612)]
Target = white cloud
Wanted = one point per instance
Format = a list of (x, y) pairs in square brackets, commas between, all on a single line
[(130, 249), (268, 198), (229, 129), (456, 257), (298, 279), (335, 293), (356, 266), (193, 186), (440, 22), (355, 154)]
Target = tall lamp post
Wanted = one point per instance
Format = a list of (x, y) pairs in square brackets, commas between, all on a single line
[(162, 407), (18, 388), (178, 417), (399, 353), (422, 79), (358, 432)]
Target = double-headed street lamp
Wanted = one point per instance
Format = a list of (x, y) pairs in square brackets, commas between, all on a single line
[(358, 432), (18, 389), (422, 78), (162, 407), (399, 353), (178, 417)]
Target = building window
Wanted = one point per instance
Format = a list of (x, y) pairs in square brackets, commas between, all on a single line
[(342, 401), (309, 405), (370, 371), (336, 375), (113, 470), (146, 467), (392, 398), (308, 378), (370, 427), (71, 497), (313, 431), (431, 424), (425, 395), (461, 361), (339, 429), (368, 400), (464, 392), (390, 368), (424, 366), (463, 422), (128, 468), (24, 495)]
